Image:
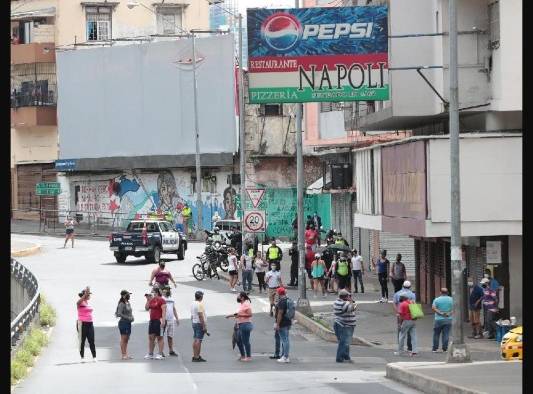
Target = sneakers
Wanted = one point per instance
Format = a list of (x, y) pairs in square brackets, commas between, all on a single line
[(149, 356), (173, 353), (284, 360), (274, 357), (158, 357), (233, 289), (324, 295), (95, 360), (198, 360)]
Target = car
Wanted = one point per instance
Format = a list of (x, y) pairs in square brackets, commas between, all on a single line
[(148, 238), (512, 345), (226, 226)]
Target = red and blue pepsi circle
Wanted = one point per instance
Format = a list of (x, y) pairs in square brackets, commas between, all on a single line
[(281, 31)]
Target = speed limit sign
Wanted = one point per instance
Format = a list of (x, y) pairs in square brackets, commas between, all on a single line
[(254, 221)]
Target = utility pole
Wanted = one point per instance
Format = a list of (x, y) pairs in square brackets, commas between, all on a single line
[(241, 133), (302, 305), (458, 351), (199, 203)]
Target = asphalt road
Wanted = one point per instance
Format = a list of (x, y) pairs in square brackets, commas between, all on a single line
[(62, 273)]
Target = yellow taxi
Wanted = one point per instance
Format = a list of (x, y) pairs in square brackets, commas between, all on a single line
[(511, 346)]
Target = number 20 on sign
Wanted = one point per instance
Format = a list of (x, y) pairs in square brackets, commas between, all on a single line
[(254, 221)]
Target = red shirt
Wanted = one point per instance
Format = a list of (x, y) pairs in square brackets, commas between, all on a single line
[(403, 310), (310, 236), (156, 312)]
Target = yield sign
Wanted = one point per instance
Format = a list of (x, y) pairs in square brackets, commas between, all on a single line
[(255, 196)]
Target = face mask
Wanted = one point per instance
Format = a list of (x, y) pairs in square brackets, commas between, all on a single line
[(470, 283), (484, 286), (486, 276), (239, 300)]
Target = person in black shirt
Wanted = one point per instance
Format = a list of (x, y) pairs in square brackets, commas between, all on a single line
[(293, 252), (327, 256)]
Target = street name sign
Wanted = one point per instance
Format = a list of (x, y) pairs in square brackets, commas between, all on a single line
[(47, 188)]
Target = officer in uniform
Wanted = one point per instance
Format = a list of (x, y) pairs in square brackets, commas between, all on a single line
[(274, 255)]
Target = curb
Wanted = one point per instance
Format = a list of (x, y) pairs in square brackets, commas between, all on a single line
[(26, 252), (314, 327), (399, 373)]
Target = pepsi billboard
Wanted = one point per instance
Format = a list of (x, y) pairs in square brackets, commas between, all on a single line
[(317, 54)]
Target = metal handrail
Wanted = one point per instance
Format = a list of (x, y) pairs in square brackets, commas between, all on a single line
[(26, 278)]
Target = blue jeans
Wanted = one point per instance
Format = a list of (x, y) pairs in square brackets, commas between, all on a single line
[(441, 326), (282, 335), (358, 276), (344, 336), (245, 329), (247, 276), (407, 327)]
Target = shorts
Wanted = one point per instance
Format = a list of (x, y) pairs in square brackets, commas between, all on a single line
[(69, 231), (475, 316), (233, 273), (168, 329), (318, 277), (197, 331), (154, 328), (124, 326), (272, 294)]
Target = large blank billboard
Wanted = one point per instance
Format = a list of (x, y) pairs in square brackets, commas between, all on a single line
[(137, 100)]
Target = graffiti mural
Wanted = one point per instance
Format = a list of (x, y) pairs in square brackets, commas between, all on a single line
[(130, 195)]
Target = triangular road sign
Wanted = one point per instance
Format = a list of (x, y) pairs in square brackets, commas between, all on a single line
[(255, 196)]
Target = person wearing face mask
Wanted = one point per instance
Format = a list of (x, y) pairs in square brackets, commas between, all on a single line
[(490, 308), (243, 318), (124, 312), (161, 276), (474, 307), (157, 307), (493, 283)]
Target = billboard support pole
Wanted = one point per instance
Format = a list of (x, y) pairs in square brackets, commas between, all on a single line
[(302, 305), (242, 161), (458, 351), (197, 137)]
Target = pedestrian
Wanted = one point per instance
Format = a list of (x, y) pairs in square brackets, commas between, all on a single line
[(344, 309), (443, 308), (358, 270), (382, 266), (283, 325), (232, 269), (124, 312), (293, 252), (339, 239), (273, 281), (397, 273), (69, 231), (407, 326), (247, 267), (407, 292), (327, 256), (474, 306), (161, 276), (490, 308), (243, 316), (186, 214), (157, 307), (309, 258), (330, 236), (343, 269), (274, 254), (493, 283), (318, 269), (317, 221), (84, 324), (199, 326), (311, 237), (260, 271), (171, 320)]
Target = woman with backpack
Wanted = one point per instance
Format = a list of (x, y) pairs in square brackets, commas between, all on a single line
[(243, 318), (124, 312)]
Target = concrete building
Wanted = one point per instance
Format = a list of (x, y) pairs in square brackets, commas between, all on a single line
[(37, 28)]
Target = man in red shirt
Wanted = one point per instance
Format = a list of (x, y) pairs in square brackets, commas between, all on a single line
[(407, 326), (311, 237), (158, 311)]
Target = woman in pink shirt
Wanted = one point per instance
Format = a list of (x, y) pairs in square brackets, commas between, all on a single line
[(243, 316), (84, 324)]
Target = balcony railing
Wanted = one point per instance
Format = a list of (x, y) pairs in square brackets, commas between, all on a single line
[(34, 98)]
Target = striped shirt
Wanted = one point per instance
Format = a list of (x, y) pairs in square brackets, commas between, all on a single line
[(344, 312)]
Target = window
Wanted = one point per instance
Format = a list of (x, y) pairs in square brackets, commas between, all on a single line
[(98, 23), (494, 25), (168, 20), (271, 110), (163, 226), (329, 107)]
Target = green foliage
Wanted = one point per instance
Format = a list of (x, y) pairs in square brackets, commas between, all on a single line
[(40, 336), (32, 345), (47, 314), (24, 357), (18, 370)]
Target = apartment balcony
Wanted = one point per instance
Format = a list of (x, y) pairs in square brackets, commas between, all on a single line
[(33, 53), (35, 108)]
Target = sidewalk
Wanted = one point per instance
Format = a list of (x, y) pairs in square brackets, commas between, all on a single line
[(472, 378), (20, 248)]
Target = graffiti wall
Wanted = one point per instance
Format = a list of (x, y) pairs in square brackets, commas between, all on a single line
[(116, 199)]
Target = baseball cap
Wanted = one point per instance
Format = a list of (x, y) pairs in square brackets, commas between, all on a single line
[(344, 292), (484, 280), (317, 254), (406, 284), (124, 292), (281, 291)]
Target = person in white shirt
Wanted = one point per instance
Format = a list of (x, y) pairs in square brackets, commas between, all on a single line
[(358, 270), (273, 281), (171, 320), (233, 269), (260, 271)]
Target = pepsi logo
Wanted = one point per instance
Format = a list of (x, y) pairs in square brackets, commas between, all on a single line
[(281, 31)]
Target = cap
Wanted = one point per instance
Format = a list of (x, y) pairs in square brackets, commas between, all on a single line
[(406, 284), (199, 293), (344, 292), (317, 255), (124, 292), (484, 280), (281, 291)]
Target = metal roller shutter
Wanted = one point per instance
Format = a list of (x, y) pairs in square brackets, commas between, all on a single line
[(398, 243)]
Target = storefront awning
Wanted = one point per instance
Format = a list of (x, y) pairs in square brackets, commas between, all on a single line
[(316, 186), (41, 13)]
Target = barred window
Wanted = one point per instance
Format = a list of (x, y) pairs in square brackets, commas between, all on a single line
[(169, 20), (98, 23)]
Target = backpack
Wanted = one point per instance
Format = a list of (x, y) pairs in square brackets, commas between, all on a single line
[(291, 309), (416, 311)]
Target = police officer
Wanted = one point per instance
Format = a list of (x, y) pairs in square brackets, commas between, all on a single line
[(274, 255)]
